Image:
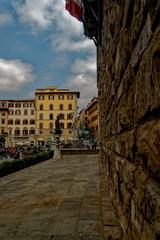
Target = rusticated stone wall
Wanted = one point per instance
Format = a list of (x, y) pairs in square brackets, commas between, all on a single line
[(129, 96)]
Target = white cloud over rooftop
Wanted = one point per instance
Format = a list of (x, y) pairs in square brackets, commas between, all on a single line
[(14, 74)]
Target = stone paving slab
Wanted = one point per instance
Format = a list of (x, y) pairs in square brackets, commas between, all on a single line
[(53, 200)]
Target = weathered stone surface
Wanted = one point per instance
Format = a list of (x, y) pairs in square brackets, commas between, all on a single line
[(129, 97)]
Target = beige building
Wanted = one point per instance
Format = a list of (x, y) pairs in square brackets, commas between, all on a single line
[(51, 102), (4, 120), (21, 122)]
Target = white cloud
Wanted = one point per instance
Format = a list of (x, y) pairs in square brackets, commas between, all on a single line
[(5, 18), (14, 74), (83, 79)]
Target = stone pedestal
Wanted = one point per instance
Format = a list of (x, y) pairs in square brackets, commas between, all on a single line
[(57, 151)]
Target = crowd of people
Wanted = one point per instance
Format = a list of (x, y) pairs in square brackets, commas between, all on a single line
[(17, 152)]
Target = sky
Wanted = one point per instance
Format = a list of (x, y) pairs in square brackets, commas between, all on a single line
[(42, 45)]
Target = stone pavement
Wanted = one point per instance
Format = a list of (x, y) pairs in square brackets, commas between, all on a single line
[(53, 200)]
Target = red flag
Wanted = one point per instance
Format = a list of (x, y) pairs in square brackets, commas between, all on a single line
[(74, 8)]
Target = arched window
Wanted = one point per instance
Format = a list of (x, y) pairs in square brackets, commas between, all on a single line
[(40, 125), (17, 112), (17, 122), (10, 121), (17, 132), (32, 131), (61, 107), (18, 105), (11, 112), (41, 116), (51, 107), (25, 131), (51, 116), (41, 107), (25, 121), (10, 131), (50, 125), (70, 106)]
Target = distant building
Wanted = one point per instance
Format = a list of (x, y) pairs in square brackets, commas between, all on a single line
[(51, 102), (32, 121), (93, 117)]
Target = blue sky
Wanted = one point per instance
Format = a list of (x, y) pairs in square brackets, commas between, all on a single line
[(42, 45)]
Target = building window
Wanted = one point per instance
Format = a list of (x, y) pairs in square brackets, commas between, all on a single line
[(11, 105), (3, 114), (25, 121), (25, 131), (40, 125), (18, 105), (51, 116), (2, 130), (17, 122), (32, 121), (32, 131), (70, 97), (40, 132), (61, 116), (62, 125), (41, 107), (51, 107), (70, 106), (17, 112), (10, 131), (69, 125), (60, 97), (25, 112), (10, 121), (51, 97), (51, 125), (11, 112), (32, 112), (69, 116), (17, 132), (41, 116), (32, 105), (3, 121), (69, 131), (25, 105), (61, 107), (41, 97)]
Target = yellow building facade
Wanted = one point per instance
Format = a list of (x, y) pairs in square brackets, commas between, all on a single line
[(50, 103)]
